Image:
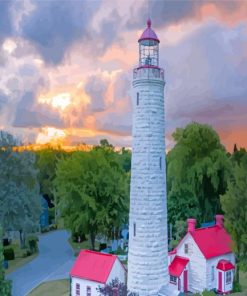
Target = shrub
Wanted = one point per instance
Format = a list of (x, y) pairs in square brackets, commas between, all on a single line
[(6, 242), (208, 293), (9, 254), (52, 227), (44, 229), (26, 254), (102, 246), (236, 287), (33, 243)]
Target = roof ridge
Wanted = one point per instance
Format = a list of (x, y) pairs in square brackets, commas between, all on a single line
[(204, 228), (99, 253)]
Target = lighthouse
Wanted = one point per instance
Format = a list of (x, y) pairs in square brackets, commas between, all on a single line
[(148, 250)]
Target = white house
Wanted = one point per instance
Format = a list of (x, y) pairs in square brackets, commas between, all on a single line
[(203, 260), (94, 269)]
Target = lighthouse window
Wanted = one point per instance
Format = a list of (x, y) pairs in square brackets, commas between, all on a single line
[(137, 99), (134, 229), (160, 163)]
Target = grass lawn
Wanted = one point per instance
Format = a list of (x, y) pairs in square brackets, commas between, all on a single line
[(52, 288), (243, 282), (18, 261)]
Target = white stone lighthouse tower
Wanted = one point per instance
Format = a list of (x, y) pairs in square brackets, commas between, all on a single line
[(148, 250)]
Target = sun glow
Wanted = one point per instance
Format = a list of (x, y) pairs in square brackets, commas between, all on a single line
[(50, 135), (60, 101)]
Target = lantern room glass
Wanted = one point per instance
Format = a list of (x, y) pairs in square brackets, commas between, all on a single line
[(149, 53)]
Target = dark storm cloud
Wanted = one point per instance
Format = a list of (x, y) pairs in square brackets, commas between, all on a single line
[(5, 19), (167, 12), (32, 119), (55, 25), (108, 33), (96, 88), (206, 77), (29, 115)]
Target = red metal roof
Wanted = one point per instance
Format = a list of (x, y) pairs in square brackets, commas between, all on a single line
[(212, 241), (225, 265), (93, 266), (177, 266), (149, 34)]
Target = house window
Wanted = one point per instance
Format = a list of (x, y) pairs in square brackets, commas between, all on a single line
[(134, 229), (212, 273), (186, 248), (173, 279), (88, 291), (77, 290), (228, 277), (160, 162), (137, 99)]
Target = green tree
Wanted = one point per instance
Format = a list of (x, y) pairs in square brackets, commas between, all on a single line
[(197, 171), (234, 205), (5, 286), (46, 163), (19, 190), (92, 192)]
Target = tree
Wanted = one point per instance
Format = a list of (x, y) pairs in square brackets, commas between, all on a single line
[(115, 288), (197, 171), (19, 191), (234, 205), (5, 286), (92, 192), (46, 162)]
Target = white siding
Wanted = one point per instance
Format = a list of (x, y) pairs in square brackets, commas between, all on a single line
[(83, 286), (196, 265), (118, 271), (213, 262)]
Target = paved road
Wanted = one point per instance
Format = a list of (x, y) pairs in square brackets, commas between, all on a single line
[(54, 261)]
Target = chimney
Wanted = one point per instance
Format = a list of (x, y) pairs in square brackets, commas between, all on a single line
[(191, 225), (219, 220)]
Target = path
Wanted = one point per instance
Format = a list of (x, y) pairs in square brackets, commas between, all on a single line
[(54, 261)]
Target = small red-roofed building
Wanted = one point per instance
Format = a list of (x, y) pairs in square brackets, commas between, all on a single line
[(93, 270), (203, 260)]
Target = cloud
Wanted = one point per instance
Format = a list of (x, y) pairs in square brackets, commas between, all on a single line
[(3, 99), (96, 88), (206, 77), (5, 19), (54, 26), (30, 115), (167, 12)]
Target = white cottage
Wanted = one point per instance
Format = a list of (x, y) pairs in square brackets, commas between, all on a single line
[(94, 269), (203, 260)]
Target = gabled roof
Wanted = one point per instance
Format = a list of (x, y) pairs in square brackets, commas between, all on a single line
[(93, 266), (212, 241), (177, 266), (225, 265)]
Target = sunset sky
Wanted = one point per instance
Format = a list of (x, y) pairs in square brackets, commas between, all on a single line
[(66, 67)]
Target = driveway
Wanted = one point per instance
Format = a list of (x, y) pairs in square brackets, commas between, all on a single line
[(54, 261)]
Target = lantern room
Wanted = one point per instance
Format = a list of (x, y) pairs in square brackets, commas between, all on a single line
[(148, 48)]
